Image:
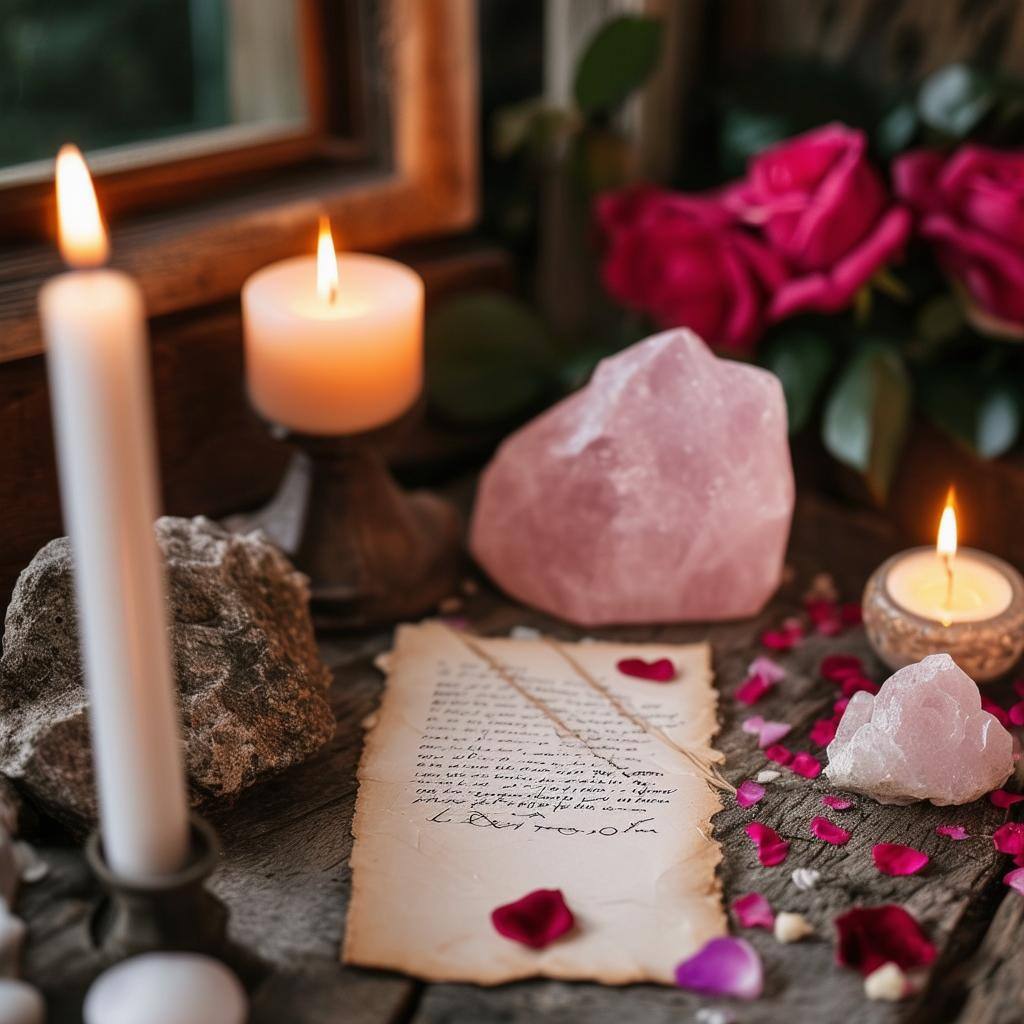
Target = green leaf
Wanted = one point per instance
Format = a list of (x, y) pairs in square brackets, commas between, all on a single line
[(867, 415), (976, 407), (802, 360), (954, 99), (489, 359), (623, 52)]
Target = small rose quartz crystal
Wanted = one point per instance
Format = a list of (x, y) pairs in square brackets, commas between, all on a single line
[(923, 736), (661, 492)]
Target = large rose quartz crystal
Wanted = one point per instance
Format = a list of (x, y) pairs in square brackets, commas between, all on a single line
[(923, 736), (661, 492)]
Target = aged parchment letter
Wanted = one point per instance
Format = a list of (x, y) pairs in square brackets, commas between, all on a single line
[(497, 767)]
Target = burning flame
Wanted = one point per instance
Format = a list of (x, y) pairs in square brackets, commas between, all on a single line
[(83, 239), (946, 545), (326, 264)]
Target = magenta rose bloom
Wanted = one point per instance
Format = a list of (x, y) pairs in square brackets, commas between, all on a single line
[(826, 210), (686, 262), (971, 207)]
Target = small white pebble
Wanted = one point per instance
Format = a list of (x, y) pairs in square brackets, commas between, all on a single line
[(805, 878), (888, 983), (792, 927), (767, 775), (524, 633), (713, 1015), (20, 1003)]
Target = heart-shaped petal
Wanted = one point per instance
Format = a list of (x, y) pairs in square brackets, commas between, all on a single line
[(723, 967), (535, 920), (662, 670)]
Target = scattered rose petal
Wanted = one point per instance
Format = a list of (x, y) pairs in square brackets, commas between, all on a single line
[(724, 967), (536, 920), (772, 849), (996, 711), (1009, 838), (823, 829), (752, 689), (785, 638), (753, 725), (1003, 798), (791, 927), (764, 666), (1016, 713), (753, 911), (1018, 687), (870, 937), (888, 984), (805, 878), (837, 667), (767, 733), (952, 831), (806, 765), (896, 859), (840, 706), (851, 613), (779, 754), (823, 732), (1015, 879), (661, 670), (837, 803), (749, 793), (767, 775), (853, 684)]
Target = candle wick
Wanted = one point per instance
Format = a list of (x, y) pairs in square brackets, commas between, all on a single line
[(948, 561), (332, 294)]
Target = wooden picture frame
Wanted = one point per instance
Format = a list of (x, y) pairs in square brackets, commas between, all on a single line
[(194, 255)]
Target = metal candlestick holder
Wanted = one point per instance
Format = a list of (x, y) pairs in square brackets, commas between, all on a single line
[(374, 554)]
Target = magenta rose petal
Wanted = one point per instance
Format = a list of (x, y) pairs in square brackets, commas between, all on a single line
[(749, 793), (723, 967), (827, 832), (778, 753), (1015, 879), (823, 732), (753, 911), (660, 671), (1002, 798), (752, 689), (1016, 713), (772, 849), (837, 667), (1009, 838), (837, 803), (952, 831), (870, 937), (896, 859), (806, 765), (535, 920)]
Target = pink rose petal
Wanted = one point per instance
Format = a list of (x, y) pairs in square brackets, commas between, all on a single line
[(753, 911), (660, 671), (837, 667), (896, 859), (823, 732), (952, 831), (772, 849), (767, 733), (1015, 879), (749, 793), (753, 725), (752, 689), (779, 754), (837, 803), (1003, 798), (823, 829), (535, 920), (764, 666), (806, 765), (723, 967), (1009, 838)]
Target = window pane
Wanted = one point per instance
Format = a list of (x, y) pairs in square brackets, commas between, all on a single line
[(111, 73)]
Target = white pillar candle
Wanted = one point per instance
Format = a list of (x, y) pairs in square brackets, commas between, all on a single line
[(97, 358), (333, 344)]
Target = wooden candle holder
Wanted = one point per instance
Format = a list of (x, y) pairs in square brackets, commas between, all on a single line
[(373, 553)]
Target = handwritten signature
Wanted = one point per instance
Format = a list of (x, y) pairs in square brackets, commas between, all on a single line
[(478, 819)]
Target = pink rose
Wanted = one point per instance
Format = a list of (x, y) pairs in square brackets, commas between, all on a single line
[(686, 262), (826, 210), (971, 206)]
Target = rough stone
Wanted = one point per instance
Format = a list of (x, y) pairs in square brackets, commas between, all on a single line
[(252, 688), (923, 736), (661, 492)]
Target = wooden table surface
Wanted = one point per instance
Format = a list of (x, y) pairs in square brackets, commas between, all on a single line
[(286, 879)]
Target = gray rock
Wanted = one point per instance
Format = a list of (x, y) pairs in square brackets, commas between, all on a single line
[(252, 689)]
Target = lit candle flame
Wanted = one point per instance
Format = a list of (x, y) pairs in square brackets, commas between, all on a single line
[(83, 239), (326, 264), (946, 546)]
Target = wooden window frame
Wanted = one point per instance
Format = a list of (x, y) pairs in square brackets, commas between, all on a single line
[(193, 255)]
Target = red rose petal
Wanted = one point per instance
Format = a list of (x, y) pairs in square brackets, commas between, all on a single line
[(772, 849), (723, 967), (1016, 713), (784, 638), (996, 711), (837, 803), (837, 667), (851, 613), (870, 937), (1015, 879), (752, 689), (1009, 838), (823, 829), (806, 765), (749, 793), (753, 911), (536, 920), (852, 684), (1003, 798), (823, 732), (660, 671), (778, 753), (1018, 687), (952, 831), (896, 859)]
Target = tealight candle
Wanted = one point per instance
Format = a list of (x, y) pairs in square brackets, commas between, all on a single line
[(961, 601)]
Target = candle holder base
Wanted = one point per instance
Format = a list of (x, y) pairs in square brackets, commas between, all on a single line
[(172, 912), (373, 553)]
